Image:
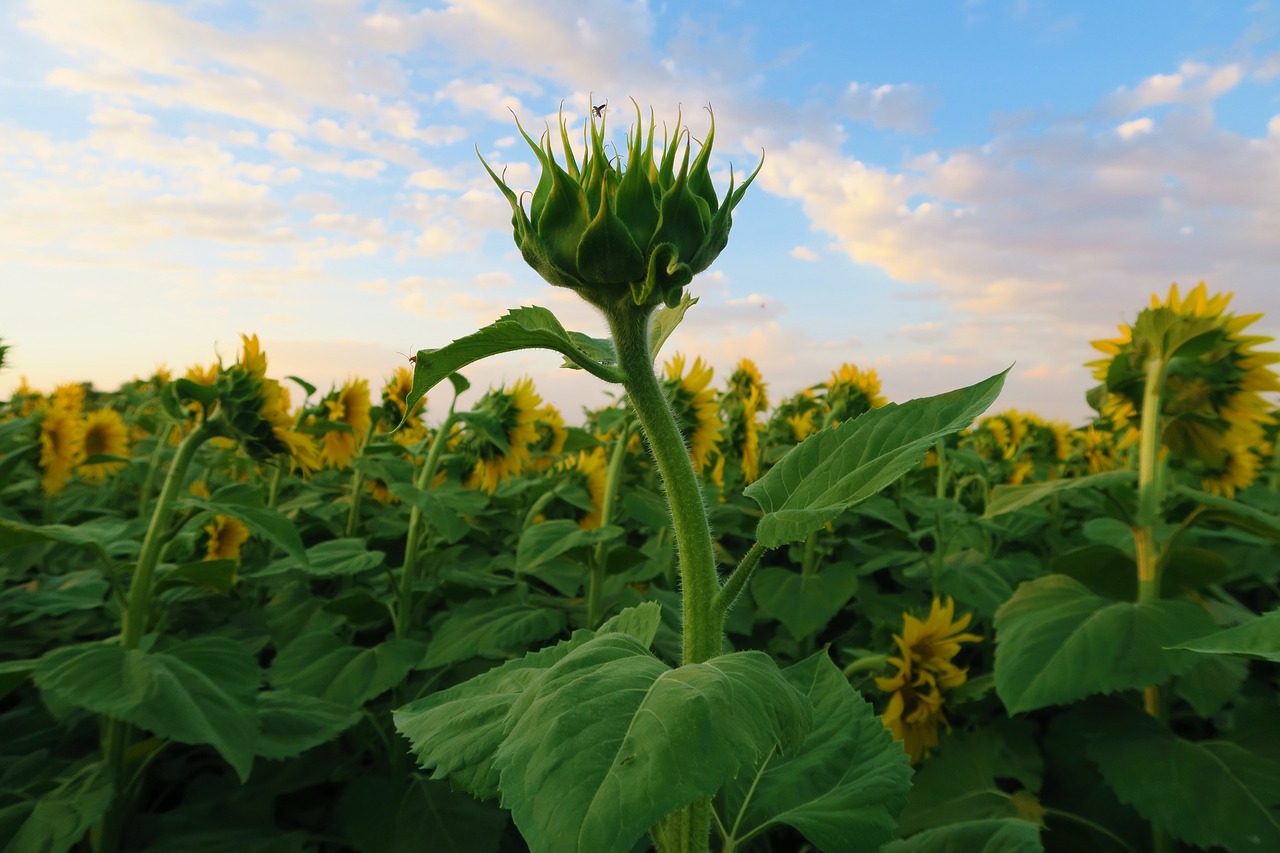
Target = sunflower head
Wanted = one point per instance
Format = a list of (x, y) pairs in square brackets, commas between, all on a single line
[(500, 430), (694, 403), (61, 445), (395, 396), (590, 469), (614, 233), (923, 674), (745, 382), (1212, 411), (226, 535), (105, 434), (347, 422), (851, 392)]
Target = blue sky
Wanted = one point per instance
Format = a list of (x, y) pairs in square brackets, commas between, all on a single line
[(948, 188)]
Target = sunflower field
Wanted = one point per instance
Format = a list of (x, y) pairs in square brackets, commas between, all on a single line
[(241, 614)]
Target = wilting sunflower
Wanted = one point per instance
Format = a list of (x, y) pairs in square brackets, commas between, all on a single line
[(745, 381), (61, 446), (348, 407), (742, 402), (925, 674), (694, 403), (508, 415), (1212, 413), (851, 392), (226, 535), (591, 468), (105, 434)]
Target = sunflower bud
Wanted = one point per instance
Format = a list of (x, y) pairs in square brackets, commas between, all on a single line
[(608, 232)]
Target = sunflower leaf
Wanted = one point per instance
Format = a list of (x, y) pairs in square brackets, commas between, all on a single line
[(1008, 498), (486, 626), (522, 328), (245, 503), (1058, 642), (542, 542), (833, 470), (1257, 638)]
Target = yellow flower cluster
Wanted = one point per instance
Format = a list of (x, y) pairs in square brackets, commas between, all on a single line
[(925, 674)]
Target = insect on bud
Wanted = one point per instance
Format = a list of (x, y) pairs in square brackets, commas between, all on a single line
[(610, 232)]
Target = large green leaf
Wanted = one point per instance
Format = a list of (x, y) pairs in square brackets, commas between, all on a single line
[(804, 604), (379, 815), (53, 595), (322, 664), (522, 328), (485, 626), (835, 469), (1208, 793), (610, 740), (1008, 835), (292, 723), (456, 732), (844, 786), (549, 539), (61, 817), (104, 536), (1257, 638), (1008, 498), (246, 503), (202, 691), (1058, 642)]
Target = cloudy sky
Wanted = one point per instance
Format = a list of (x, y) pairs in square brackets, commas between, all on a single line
[(949, 186)]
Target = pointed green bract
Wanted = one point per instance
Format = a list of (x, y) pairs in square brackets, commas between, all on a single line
[(837, 468), (1057, 642), (610, 231)]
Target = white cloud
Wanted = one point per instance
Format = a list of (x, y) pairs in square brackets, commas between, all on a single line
[(1137, 127), (804, 253)]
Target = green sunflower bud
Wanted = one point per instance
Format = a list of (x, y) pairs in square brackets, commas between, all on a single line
[(612, 233)]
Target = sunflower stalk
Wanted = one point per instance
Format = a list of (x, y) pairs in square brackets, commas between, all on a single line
[(105, 837), (600, 558), (403, 616), (687, 830), (357, 483)]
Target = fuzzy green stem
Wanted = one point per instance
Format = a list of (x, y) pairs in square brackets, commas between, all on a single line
[(357, 483), (153, 465), (600, 559), (409, 572), (737, 581), (703, 631)]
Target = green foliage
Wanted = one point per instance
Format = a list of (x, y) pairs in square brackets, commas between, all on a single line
[(1058, 642), (832, 471)]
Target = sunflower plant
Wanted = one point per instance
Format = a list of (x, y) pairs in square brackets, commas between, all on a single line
[(595, 742)]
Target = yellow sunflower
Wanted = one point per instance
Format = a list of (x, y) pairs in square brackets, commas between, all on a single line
[(348, 406), (511, 414), (924, 675), (298, 446), (395, 397), (745, 381), (1213, 415), (252, 359), (592, 468), (105, 434), (226, 535), (61, 446), (694, 403), (850, 392)]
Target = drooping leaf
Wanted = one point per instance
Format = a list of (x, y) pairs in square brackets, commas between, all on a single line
[(53, 595), (549, 539), (444, 507), (835, 469), (1211, 682), (292, 723), (1232, 512), (486, 626), (331, 558), (1009, 498), (379, 815), (1257, 638), (1208, 793), (456, 732), (201, 691), (804, 604), (323, 665), (104, 536), (843, 787), (246, 503), (610, 740), (522, 328), (1057, 642)]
